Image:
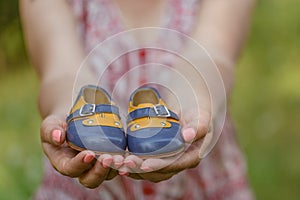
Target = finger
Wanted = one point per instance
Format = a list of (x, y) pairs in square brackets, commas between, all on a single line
[(155, 164), (117, 161), (106, 160), (202, 126), (202, 130), (195, 127), (188, 134), (191, 134), (53, 130), (189, 159), (65, 160), (95, 176), (133, 163), (124, 171)]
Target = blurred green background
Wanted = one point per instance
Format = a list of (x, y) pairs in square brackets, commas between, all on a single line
[(265, 104)]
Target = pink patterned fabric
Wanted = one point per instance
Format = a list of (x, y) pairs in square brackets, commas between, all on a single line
[(221, 175)]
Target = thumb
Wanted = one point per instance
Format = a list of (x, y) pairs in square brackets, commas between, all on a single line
[(53, 130), (195, 128)]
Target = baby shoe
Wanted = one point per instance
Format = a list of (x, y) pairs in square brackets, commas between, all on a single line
[(94, 123), (152, 129)]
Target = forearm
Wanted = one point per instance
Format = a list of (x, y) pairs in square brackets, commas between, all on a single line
[(55, 96), (55, 51), (222, 29)]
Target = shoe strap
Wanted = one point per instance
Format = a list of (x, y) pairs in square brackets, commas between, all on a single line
[(91, 109), (150, 112)]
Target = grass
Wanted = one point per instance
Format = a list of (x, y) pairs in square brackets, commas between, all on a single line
[(20, 167), (265, 105), (266, 100)]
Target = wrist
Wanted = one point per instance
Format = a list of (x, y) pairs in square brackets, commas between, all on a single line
[(227, 72), (55, 96)]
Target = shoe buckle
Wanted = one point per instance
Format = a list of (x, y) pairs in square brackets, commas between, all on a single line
[(161, 111), (87, 110)]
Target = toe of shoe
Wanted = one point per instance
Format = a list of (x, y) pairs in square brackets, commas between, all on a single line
[(96, 138), (155, 141)]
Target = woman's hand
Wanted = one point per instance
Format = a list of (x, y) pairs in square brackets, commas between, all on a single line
[(90, 170), (156, 169)]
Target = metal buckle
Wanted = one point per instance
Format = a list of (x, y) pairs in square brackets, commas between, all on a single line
[(161, 111), (87, 110)]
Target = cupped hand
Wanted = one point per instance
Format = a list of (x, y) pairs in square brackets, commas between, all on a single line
[(160, 169), (89, 169)]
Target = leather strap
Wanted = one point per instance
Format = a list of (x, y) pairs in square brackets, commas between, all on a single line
[(148, 112), (100, 108)]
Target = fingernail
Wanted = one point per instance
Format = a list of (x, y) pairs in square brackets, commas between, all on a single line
[(146, 169), (130, 164), (56, 134), (123, 173), (118, 164), (189, 134), (88, 158), (107, 162)]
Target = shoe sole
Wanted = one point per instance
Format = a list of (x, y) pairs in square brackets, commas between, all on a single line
[(158, 156), (98, 153)]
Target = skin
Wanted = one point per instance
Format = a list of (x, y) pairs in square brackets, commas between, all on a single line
[(56, 52)]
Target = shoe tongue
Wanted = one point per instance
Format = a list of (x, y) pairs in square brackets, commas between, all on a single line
[(145, 105)]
